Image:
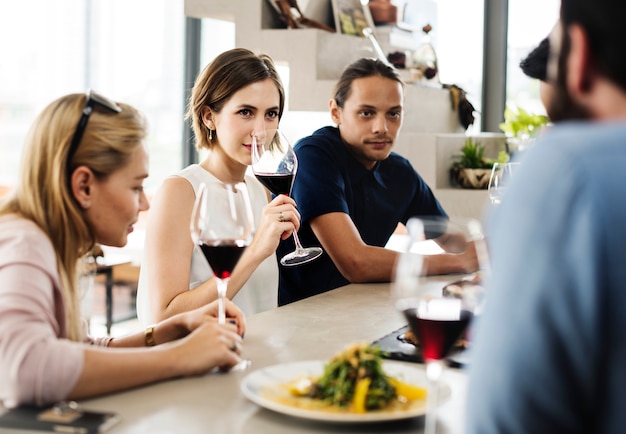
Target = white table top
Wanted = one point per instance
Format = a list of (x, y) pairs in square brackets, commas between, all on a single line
[(312, 329)]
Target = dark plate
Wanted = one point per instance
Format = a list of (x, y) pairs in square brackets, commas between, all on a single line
[(397, 349)]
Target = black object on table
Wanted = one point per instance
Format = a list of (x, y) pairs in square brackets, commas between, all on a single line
[(396, 348)]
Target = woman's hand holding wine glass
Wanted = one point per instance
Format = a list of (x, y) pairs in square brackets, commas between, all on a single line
[(187, 322), (437, 321), (274, 164), (278, 220)]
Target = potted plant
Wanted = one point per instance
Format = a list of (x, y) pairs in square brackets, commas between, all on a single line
[(521, 128), (471, 169)]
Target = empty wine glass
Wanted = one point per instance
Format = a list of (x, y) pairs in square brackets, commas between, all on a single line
[(501, 175), (222, 225), (438, 321), (274, 164)]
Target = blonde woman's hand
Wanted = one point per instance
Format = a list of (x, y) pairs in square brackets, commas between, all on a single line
[(208, 313), (209, 346), (182, 324)]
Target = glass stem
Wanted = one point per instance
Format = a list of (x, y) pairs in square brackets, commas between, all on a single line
[(434, 368), (296, 240), (222, 286)]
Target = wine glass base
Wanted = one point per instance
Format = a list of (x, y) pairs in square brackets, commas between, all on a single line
[(301, 256), (241, 366)]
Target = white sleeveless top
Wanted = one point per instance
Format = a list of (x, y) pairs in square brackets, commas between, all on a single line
[(259, 293)]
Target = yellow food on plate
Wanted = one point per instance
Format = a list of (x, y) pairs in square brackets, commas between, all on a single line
[(354, 381), (408, 391), (301, 386), (360, 394)]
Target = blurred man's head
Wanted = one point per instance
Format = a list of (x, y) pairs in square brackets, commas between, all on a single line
[(587, 54), (604, 23)]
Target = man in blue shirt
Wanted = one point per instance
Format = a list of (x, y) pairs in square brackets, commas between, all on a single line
[(352, 191), (549, 354)]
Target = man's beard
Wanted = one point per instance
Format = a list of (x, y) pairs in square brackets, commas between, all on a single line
[(561, 106)]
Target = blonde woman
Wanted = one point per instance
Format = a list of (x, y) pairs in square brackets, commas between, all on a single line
[(83, 167)]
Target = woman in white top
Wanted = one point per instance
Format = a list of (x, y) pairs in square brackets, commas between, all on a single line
[(235, 95)]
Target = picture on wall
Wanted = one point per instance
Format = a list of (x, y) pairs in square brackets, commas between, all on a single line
[(351, 17), (296, 14)]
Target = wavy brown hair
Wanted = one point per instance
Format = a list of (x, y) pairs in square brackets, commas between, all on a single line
[(220, 79)]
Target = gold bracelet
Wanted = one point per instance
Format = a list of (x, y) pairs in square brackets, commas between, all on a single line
[(150, 342)]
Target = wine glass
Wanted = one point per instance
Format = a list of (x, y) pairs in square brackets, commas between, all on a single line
[(222, 225), (274, 164), (437, 320), (501, 175)]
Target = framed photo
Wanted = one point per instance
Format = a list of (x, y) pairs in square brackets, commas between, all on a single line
[(351, 17), (303, 13)]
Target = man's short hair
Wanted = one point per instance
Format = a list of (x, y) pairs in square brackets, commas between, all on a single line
[(535, 65)]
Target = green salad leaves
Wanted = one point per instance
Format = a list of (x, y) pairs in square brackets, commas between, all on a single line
[(355, 377)]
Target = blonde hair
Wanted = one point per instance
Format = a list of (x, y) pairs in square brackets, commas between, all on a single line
[(220, 79), (43, 194)]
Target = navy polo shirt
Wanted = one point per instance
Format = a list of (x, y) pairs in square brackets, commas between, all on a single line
[(329, 179)]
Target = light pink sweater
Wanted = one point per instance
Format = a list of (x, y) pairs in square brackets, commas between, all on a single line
[(38, 364)]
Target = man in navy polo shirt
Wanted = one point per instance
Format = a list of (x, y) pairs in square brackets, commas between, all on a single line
[(352, 191)]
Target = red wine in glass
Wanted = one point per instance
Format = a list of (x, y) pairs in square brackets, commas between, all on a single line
[(277, 183), (222, 256), (275, 165), (437, 335)]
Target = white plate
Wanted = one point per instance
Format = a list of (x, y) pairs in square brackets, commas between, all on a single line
[(259, 385)]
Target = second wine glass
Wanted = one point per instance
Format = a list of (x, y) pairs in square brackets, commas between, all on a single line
[(274, 163), (222, 225), (501, 175), (438, 321)]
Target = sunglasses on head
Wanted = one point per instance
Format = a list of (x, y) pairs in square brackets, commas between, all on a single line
[(92, 100)]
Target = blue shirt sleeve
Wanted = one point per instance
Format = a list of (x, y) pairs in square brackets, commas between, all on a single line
[(539, 360)]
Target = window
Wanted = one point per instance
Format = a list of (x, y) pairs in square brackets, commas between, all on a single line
[(529, 22), (457, 37), (129, 51), (459, 45)]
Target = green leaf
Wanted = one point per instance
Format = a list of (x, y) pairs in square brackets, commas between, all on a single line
[(472, 155), (521, 122)]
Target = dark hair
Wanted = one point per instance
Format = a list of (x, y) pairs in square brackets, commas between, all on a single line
[(365, 67), (535, 65), (603, 21), (220, 79)]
